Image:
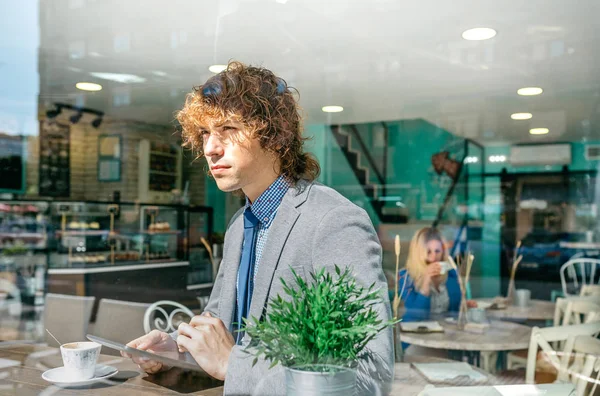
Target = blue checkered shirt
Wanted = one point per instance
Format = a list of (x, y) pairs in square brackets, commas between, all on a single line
[(265, 208)]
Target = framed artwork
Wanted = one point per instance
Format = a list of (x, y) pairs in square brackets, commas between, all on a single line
[(109, 158), (55, 164)]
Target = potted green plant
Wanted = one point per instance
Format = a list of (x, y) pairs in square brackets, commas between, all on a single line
[(318, 332)]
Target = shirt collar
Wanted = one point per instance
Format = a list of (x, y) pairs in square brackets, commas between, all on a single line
[(265, 206)]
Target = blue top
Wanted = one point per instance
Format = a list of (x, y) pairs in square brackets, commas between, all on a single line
[(418, 306)]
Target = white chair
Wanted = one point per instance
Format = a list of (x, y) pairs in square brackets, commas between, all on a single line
[(157, 317), (541, 338), (67, 318), (580, 311), (590, 291), (578, 272), (580, 359), (518, 359), (120, 321)]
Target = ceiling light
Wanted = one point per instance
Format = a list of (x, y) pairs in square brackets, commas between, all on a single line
[(478, 34), (530, 91), (332, 109), (217, 68), (88, 86), (521, 116), (159, 73), (497, 158), (119, 77), (471, 160), (539, 131)]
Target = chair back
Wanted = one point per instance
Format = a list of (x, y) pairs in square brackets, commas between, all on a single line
[(541, 338), (67, 318), (579, 311), (120, 321), (590, 291), (166, 316), (580, 360), (579, 272)]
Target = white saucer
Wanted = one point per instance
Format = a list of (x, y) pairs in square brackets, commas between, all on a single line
[(57, 376)]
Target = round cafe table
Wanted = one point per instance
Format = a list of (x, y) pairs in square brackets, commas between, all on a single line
[(499, 336), (408, 381), (537, 310)]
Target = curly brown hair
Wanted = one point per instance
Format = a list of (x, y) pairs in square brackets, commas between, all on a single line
[(259, 100)]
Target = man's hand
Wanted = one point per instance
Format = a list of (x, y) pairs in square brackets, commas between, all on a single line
[(209, 342), (156, 342)]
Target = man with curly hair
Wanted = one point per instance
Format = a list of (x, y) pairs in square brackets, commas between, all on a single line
[(245, 122)]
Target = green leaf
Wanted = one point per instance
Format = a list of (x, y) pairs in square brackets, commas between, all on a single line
[(328, 321)]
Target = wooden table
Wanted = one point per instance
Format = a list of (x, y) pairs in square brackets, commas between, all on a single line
[(537, 310), (22, 365), (408, 381), (500, 336)]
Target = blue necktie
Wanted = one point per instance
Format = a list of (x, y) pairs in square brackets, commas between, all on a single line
[(246, 270)]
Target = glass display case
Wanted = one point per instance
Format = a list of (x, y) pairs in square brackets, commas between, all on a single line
[(72, 247), (98, 234), (24, 238)]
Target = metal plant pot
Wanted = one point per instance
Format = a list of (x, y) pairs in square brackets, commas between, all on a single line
[(320, 380)]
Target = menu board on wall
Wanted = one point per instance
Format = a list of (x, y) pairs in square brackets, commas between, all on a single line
[(55, 168), (12, 164)]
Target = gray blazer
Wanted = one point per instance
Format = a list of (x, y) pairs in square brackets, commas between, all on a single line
[(315, 226)]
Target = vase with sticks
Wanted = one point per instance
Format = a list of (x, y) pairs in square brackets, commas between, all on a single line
[(396, 303), (510, 294), (462, 313)]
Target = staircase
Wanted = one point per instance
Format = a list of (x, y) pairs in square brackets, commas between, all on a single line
[(344, 136)]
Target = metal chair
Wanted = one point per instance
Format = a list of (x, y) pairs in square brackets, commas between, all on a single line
[(157, 317), (577, 273)]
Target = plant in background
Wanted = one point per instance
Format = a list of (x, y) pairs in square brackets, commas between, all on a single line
[(15, 250), (325, 322)]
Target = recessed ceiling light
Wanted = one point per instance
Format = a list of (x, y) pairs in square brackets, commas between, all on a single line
[(530, 91), (217, 68), (332, 109), (539, 131), (521, 116), (119, 77), (88, 86), (497, 158), (478, 34), (159, 73)]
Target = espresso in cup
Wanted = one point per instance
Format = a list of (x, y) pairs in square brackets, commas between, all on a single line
[(79, 359)]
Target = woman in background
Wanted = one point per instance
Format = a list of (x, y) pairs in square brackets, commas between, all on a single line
[(429, 286)]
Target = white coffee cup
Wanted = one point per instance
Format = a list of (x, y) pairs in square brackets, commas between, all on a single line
[(79, 359), (444, 267)]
